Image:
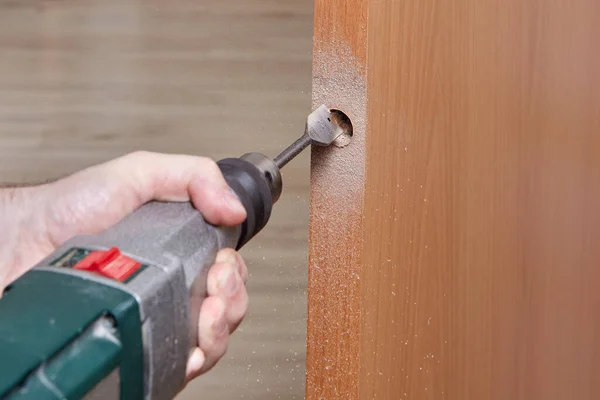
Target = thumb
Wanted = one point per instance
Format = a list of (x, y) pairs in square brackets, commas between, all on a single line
[(166, 177), (94, 199)]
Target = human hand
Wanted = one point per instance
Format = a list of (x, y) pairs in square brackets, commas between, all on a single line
[(38, 219)]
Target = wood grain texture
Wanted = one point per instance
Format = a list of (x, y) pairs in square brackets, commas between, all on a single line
[(84, 81), (479, 247)]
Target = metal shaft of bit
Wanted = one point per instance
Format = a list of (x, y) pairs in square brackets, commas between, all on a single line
[(292, 151)]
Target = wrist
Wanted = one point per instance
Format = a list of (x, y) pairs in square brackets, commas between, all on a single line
[(22, 231)]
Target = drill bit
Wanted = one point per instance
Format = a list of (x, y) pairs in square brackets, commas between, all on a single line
[(292, 151), (321, 129)]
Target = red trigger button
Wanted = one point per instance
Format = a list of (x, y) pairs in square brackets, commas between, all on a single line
[(110, 264)]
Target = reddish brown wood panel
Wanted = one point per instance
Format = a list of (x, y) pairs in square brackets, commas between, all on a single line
[(455, 243)]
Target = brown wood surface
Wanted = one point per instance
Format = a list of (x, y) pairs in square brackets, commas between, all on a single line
[(455, 243), (337, 178)]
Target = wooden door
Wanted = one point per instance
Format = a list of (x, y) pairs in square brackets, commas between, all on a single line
[(455, 241)]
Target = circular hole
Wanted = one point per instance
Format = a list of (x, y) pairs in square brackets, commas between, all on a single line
[(343, 121)]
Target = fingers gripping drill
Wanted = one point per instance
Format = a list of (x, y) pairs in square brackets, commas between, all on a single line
[(114, 315)]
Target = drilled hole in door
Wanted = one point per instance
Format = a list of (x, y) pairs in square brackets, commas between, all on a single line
[(343, 121)]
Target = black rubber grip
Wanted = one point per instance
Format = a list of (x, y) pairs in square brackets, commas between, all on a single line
[(253, 191)]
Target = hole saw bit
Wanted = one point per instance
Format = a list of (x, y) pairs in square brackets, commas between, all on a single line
[(114, 315)]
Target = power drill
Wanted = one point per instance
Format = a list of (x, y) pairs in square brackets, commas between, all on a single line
[(114, 315)]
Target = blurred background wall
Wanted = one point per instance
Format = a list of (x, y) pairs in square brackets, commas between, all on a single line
[(85, 81)]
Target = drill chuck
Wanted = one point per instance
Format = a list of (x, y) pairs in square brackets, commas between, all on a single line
[(256, 181)]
